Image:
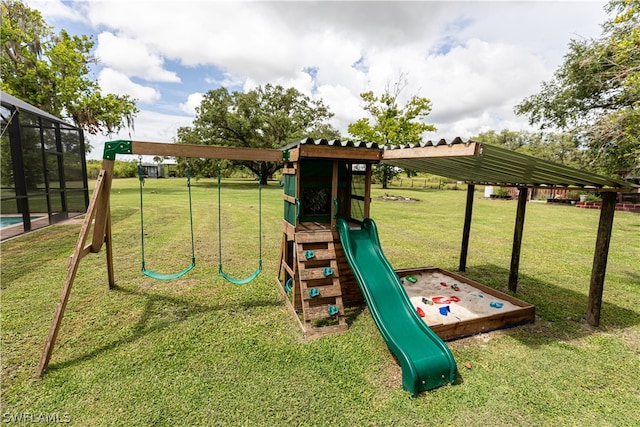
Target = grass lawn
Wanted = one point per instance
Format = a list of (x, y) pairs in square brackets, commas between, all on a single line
[(200, 351)]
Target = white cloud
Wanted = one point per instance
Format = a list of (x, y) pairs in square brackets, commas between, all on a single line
[(344, 104), (112, 81), (56, 10), (543, 28), (132, 58), (471, 78), (192, 102), (228, 80), (474, 60)]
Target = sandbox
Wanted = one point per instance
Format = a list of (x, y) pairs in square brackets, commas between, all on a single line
[(454, 306)]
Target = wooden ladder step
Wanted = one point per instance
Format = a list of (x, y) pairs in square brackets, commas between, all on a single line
[(317, 273), (314, 237), (311, 273), (318, 254), (320, 312), (332, 290)]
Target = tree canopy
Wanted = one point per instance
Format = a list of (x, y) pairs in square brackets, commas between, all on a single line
[(266, 117), (391, 124), (51, 72), (596, 92)]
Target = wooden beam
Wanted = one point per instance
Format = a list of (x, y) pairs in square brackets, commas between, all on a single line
[(344, 153), (600, 256), (517, 239), (466, 229), (206, 151), (455, 150)]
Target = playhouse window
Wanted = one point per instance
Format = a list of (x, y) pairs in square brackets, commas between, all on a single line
[(358, 183), (317, 201)]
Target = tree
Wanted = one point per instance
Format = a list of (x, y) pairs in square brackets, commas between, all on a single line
[(266, 117), (596, 92), (50, 71), (391, 124)]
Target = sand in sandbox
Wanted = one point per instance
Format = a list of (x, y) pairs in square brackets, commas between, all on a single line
[(463, 304)]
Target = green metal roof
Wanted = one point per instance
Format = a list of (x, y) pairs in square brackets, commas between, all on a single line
[(474, 162), (492, 165)]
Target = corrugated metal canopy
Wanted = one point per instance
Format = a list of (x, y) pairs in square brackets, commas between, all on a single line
[(491, 165), (473, 162), (332, 143)]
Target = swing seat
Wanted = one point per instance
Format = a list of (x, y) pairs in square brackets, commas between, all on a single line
[(240, 281), (160, 276)]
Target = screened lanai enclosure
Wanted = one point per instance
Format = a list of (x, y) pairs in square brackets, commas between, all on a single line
[(43, 172)]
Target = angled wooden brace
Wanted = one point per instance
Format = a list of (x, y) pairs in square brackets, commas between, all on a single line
[(99, 210)]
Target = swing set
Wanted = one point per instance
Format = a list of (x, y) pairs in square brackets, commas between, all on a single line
[(160, 276), (98, 215)]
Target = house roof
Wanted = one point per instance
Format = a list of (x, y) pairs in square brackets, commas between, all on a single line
[(477, 163)]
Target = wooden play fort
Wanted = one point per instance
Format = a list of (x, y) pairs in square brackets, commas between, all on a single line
[(330, 255), (322, 182)]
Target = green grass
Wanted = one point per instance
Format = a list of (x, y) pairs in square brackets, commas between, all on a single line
[(200, 351)]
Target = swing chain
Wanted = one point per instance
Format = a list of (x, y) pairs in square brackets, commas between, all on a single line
[(140, 170), (259, 269), (150, 273)]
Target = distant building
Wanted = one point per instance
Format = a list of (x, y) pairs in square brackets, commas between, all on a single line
[(153, 170)]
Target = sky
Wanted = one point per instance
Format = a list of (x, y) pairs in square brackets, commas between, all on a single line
[(475, 60)]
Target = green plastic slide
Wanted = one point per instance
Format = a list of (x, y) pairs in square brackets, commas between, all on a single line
[(425, 359)]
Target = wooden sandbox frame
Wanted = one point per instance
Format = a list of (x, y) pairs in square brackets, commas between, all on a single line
[(500, 320)]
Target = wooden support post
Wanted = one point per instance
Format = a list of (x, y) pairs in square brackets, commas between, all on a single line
[(367, 190), (600, 256), (283, 256), (334, 194), (298, 201), (102, 186), (466, 228), (108, 245), (517, 239), (102, 208)]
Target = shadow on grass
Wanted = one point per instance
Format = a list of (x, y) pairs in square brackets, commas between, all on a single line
[(352, 313), (159, 305), (560, 312), (121, 213)]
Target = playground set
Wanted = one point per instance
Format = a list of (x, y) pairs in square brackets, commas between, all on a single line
[(330, 255)]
